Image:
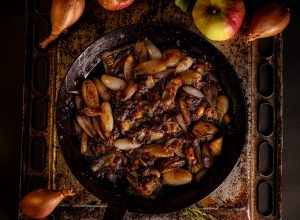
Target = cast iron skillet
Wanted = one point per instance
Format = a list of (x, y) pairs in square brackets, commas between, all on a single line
[(88, 64)]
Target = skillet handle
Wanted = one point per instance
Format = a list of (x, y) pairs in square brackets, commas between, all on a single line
[(113, 212)]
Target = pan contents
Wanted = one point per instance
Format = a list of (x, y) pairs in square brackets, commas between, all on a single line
[(151, 118)]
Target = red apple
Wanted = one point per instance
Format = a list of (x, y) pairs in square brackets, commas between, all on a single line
[(115, 5), (219, 19)]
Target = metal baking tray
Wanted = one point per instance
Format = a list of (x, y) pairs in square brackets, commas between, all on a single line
[(254, 188)]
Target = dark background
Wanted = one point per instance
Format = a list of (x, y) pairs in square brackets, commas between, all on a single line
[(12, 57)]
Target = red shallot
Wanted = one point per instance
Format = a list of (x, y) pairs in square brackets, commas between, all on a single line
[(268, 21)]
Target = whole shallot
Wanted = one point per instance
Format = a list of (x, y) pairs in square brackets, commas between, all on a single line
[(64, 13), (41, 202), (268, 21)]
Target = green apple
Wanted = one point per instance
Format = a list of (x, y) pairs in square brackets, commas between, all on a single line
[(218, 19)]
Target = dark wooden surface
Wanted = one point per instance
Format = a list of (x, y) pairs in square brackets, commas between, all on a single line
[(12, 57), (291, 115)]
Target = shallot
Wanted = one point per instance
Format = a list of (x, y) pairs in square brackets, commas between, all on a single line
[(86, 125), (130, 90), (41, 202), (177, 177), (64, 13), (84, 143), (192, 91), (103, 91), (90, 94), (106, 117), (181, 122), (153, 51), (113, 83), (184, 64), (125, 144), (268, 21)]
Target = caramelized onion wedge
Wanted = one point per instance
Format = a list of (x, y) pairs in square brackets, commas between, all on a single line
[(207, 156), (78, 102), (171, 57), (88, 111), (171, 89), (96, 125), (177, 177), (222, 106), (130, 90), (153, 51), (141, 189), (154, 135), (226, 119), (192, 91), (156, 150), (164, 74), (90, 94), (77, 129), (113, 83), (199, 112), (185, 112), (211, 93), (128, 67), (150, 67), (140, 50), (84, 141), (101, 162), (85, 124), (125, 144), (215, 146), (181, 122), (106, 117), (204, 130), (102, 90), (188, 77), (184, 64)]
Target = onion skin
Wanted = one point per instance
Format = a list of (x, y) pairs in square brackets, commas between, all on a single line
[(41, 202), (64, 13), (268, 21)]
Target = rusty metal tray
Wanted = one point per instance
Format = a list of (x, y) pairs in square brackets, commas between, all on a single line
[(253, 189)]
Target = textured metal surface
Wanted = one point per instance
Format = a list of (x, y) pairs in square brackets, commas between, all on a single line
[(236, 198)]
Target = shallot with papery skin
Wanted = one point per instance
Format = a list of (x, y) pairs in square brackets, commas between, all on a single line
[(41, 202), (269, 20), (64, 13)]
